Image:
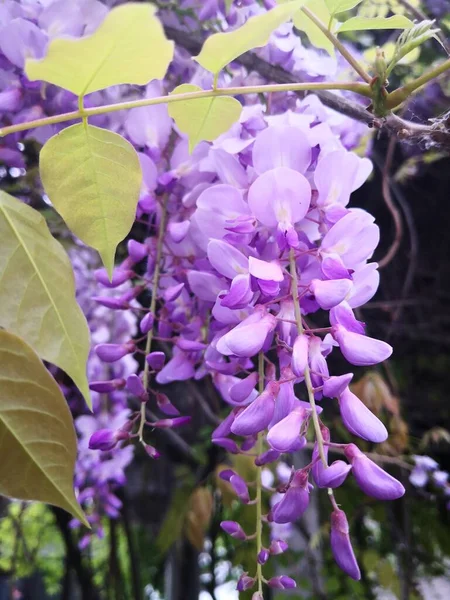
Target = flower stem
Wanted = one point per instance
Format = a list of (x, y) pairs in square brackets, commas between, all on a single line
[(155, 285), (359, 88), (401, 94), (337, 44), (260, 449), (308, 383)]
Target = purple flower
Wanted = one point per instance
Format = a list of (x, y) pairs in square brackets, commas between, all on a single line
[(103, 439), (371, 478), (341, 545), (300, 355), (359, 420), (257, 416), (237, 483), (156, 360), (245, 582), (295, 501), (359, 349), (282, 582), (283, 435), (233, 529), (110, 353)]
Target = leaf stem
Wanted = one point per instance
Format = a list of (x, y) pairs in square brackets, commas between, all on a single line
[(259, 446), (308, 383), (337, 44), (155, 285), (359, 88), (401, 94)]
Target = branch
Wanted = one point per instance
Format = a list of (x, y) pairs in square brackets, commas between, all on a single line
[(436, 134)]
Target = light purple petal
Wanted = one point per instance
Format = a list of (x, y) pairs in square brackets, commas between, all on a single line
[(359, 420), (281, 146), (359, 349)]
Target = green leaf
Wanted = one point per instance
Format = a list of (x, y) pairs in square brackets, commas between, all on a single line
[(128, 47), (206, 118), (93, 178), (410, 40), (222, 48), (338, 6), (37, 292), (38, 444), (315, 36), (363, 23)]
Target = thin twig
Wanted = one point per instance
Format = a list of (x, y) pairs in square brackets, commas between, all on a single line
[(387, 196)]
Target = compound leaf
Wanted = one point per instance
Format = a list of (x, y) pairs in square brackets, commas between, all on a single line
[(37, 291), (128, 47), (93, 178), (37, 438), (205, 118), (363, 23)]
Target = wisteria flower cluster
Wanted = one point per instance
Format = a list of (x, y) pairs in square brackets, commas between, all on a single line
[(252, 236)]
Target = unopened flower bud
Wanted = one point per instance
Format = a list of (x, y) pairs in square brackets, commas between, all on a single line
[(104, 387), (155, 360), (146, 323), (137, 251), (169, 423), (341, 546), (151, 451), (166, 406), (136, 387), (245, 582), (263, 556), (110, 353), (278, 547), (103, 439), (233, 529), (237, 483), (282, 582)]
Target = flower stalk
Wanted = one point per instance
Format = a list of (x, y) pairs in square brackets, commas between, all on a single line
[(308, 382), (260, 449)]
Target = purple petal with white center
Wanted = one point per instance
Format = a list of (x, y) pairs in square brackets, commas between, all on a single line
[(281, 146), (359, 349), (353, 238), (330, 292), (359, 420), (371, 478), (341, 546), (280, 196), (226, 259), (331, 185)]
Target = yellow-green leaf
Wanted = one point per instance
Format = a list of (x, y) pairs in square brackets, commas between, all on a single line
[(93, 178), (205, 118), (338, 6), (362, 23), (315, 36), (37, 438), (222, 48), (128, 47), (37, 291)]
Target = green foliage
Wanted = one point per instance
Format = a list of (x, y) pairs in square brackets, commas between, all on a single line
[(315, 35), (37, 437), (37, 294), (93, 178), (206, 118), (364, 24), (30, 542), (410, 39), (339, 6), (222, 48), (128, 47)]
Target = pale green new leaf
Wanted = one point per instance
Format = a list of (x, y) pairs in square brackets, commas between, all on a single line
[(93, 178), (205, 118), (362, 23), (338, 6), (37, 291), (38, 444), (128, 47), (222, 48), (315, 36)]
